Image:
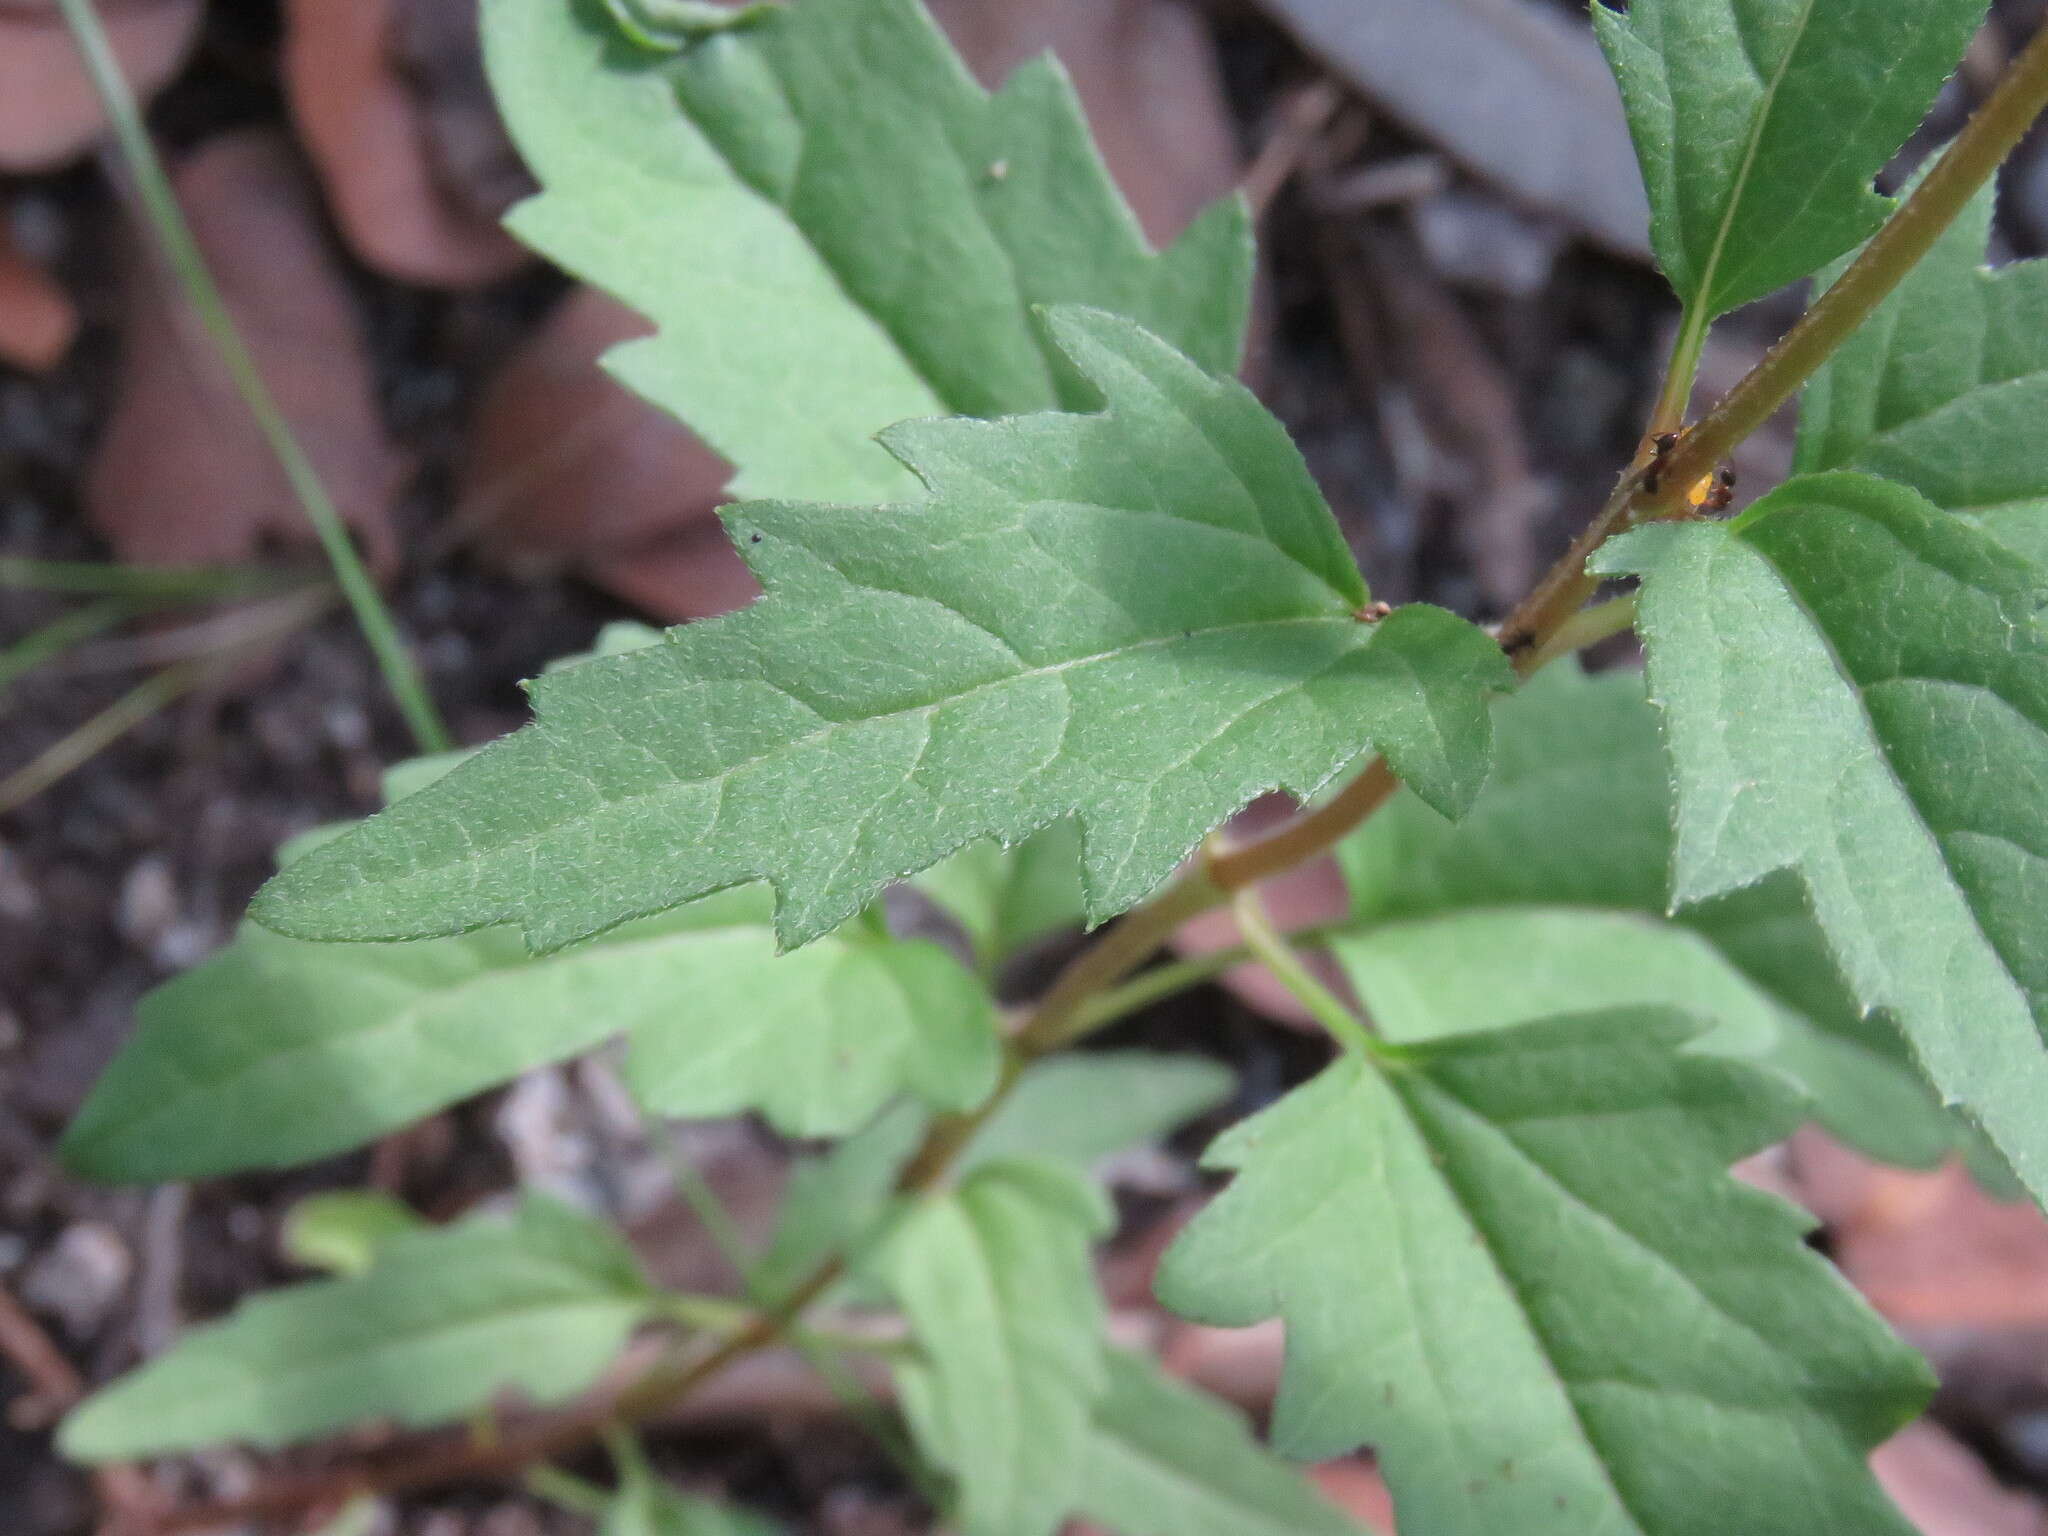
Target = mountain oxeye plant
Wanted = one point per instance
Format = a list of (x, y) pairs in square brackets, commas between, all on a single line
[(1048, 598)]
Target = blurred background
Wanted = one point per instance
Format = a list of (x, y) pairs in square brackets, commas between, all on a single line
[(1457, 320)]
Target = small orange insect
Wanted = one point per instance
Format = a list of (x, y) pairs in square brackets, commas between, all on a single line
[(1712, 493)]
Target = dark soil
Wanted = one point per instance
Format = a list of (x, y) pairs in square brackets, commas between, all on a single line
[(139, 863)]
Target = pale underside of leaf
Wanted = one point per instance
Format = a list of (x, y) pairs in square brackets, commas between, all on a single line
[(1855, 687), (1573, 832), (1516, 1266), (444, 1320), (1144, 617), (277, 1051), (996, 1284)]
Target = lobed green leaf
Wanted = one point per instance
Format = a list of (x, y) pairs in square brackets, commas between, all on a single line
[(1513, 1262), (1140, 618), (1569, 847), (277, 1051), (996, 1282), (1761, 124), (444, 1321), (1945, 389), (1855, 688), (832, 227)]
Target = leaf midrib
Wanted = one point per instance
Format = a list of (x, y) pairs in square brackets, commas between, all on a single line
[(428, 1001), (1740, 186), (530, 842)]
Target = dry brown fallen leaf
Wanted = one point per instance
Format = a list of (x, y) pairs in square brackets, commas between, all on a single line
[(37, 318), (569, 470), (376, 95), (181, 473), (48, 112), (1930, 1250), (1515, 90), (1944, 1489)]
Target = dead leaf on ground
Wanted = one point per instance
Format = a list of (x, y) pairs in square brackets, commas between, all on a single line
[(392, 106), (1945, 1490), (1929, 1249), (48, 111), (1516, 90), (567, 469), (182, 475), (38, 321)]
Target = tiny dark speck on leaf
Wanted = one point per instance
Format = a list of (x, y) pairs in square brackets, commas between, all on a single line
[(753, 538)]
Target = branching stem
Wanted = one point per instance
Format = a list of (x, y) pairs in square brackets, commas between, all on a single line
[(1969, 162), (1541, 627)]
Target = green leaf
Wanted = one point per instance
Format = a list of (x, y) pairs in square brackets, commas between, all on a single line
[(1166, 1460), (343, 1230), (996, 1283), (1945, 388), (1080, 1108), (1492, 968), (817, 1044), (277, 1051), (1578, 814), (444, 1321), (1143, 618), (1513, 1262), (833, 228), (1075, 1109), (1008, 898), (1883, 669), (1760, 125)]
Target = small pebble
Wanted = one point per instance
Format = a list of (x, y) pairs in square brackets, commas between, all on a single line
[(80, 1278)]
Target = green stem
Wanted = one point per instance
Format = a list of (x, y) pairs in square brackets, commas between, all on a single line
[(1163, 981), (168, 223), (1588, 627), (567, 1492), (1278, 956), (57, 637), (822, 1352), (1969, 162), (1679, 377), (141, 583)]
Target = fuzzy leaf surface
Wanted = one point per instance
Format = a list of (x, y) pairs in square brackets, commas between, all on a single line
[(277, 1051), (1945, 388), (1574, 831), (1855, 688), (1761, 124), (1141, 618), (995, 1281), (1167, 1460), (442, 1322), (833, 228), (1515, 1264)]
